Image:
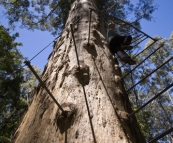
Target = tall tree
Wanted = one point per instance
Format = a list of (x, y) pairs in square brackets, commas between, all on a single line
[(171, 40), (97, 82), (157, 116), (16, 85), (10, 103), (88, 86), (29, 84)]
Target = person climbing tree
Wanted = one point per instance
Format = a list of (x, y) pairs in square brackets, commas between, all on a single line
[(118, 43)]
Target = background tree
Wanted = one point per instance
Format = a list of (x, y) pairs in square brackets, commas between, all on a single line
[(157, 116), (171, 40), (15, 85), (51, 15), (29, 85), (11, 106)]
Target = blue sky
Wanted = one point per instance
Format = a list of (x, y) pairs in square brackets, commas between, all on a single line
[(34, 41)]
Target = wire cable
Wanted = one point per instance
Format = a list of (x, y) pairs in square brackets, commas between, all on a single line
[(16, 71)]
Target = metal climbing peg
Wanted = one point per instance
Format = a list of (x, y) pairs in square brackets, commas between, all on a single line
[(43, 85), (71, 26)]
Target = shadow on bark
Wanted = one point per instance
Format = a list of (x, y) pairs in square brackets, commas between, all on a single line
[(91, 49), (65, 120)]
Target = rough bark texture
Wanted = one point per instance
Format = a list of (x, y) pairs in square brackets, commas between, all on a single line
[(98, 76)]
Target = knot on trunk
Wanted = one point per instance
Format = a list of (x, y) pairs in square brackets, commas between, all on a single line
[(82, 73), (117, 79), (65, 119), (90, 48), (122, 114)]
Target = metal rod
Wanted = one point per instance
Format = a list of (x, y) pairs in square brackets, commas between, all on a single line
[(140, 52), (160, 93), (131, 26), (71, 26), (127, 33), (94, 10), (143, 60), (89, 115), (138, 38), (139, 43), (108, 10), (92, 129), (130, 34), (43, 85), (41, 50), (161, 135), (150, 74), (89, 25)]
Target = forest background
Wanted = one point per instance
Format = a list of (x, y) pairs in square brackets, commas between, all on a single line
[(160, 25)]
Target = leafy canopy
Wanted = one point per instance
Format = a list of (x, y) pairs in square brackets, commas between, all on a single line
[(51, 15), (16, 86), (156, 117), (10, 103)]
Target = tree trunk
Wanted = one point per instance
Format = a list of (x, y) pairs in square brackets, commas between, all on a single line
[(171, 138), (96, 84)]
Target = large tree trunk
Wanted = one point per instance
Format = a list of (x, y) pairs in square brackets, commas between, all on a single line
[(171, 137), (97, 83)]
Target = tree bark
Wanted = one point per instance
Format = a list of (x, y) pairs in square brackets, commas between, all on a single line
[(95, 84), (171, 137)]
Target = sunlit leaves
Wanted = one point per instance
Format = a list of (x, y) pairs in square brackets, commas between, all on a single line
[(51, 15), (16, 86), (10, 59), (171, 40), (29, 84), (160, 110)]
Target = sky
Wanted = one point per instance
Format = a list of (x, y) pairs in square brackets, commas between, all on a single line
[(35, 41)]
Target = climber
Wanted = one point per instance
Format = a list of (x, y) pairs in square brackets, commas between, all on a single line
[(118, 43)]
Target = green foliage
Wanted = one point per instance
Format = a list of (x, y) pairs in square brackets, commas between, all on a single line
[(35, 14), (29, 85), (171, 40), (16, 85), (51, 15), (10, 59), (144, 122), (156, 117), (144, 9)]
